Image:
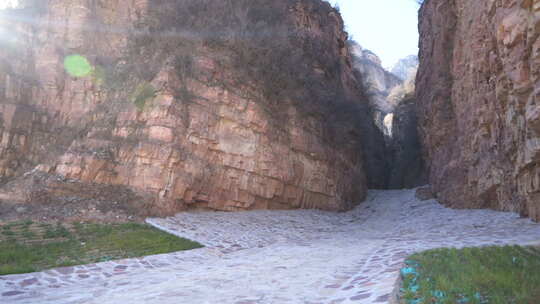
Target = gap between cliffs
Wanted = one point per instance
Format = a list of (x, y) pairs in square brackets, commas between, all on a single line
[(392, 103), (197, 104)]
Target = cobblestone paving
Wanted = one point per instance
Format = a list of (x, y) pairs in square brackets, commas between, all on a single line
[(303, 256)]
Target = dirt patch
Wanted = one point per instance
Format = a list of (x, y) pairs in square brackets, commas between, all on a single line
[(50, 198), (69, 211)]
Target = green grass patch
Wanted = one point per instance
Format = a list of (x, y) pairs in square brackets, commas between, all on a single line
[(494, 275), (29, 247)]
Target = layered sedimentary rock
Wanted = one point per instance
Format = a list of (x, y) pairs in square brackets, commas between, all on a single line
[(478, 90), (227, 105)]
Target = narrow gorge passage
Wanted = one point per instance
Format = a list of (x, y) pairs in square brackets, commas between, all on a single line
[(290, 134), (303, 256), (392, 105), (233, 106)]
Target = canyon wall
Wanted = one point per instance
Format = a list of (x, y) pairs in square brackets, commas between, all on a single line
[(478, 91), (377, 83), (405, 67), (393, 109), (225, 105), (406, 159)]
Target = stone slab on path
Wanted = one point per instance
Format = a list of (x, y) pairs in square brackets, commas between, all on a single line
[(300, 256)]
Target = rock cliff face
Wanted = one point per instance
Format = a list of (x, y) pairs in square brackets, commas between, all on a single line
[(407, 164), (227, 105), (393, 108), (405, 67), (478, 91), (377, 84)]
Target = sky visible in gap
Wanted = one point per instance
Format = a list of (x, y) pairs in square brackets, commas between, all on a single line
[(389, 28)]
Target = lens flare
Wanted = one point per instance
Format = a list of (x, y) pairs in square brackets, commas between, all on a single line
[(77, 66)]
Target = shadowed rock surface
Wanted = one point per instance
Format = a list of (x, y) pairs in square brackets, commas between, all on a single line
[(393, 108), (407, 163), (377, 84), (408, 169), (478, 91), (225, 105)]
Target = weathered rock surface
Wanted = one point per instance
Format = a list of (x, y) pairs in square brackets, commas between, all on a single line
[(478, 91), (393, 109), (377, 81), (378, 84), (405, 67), (407, 164), (193, 104), (405, 151), (405, 90)]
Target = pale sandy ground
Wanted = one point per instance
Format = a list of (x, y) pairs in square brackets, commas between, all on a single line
[(303, 256)]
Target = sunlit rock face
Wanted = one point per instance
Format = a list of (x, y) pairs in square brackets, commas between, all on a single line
[(226, 105), (377, 81), (478, 90), (406, 67)]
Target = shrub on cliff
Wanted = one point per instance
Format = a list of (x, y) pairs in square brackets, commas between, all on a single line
[(262, 48)]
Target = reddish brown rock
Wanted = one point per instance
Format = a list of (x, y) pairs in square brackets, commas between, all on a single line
[(478, 91), (193, 104), (424, 193)]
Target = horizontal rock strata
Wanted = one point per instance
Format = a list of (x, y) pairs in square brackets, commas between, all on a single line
[(226, 105)]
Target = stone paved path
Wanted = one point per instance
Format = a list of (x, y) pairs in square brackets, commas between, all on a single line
[(303, 256)]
